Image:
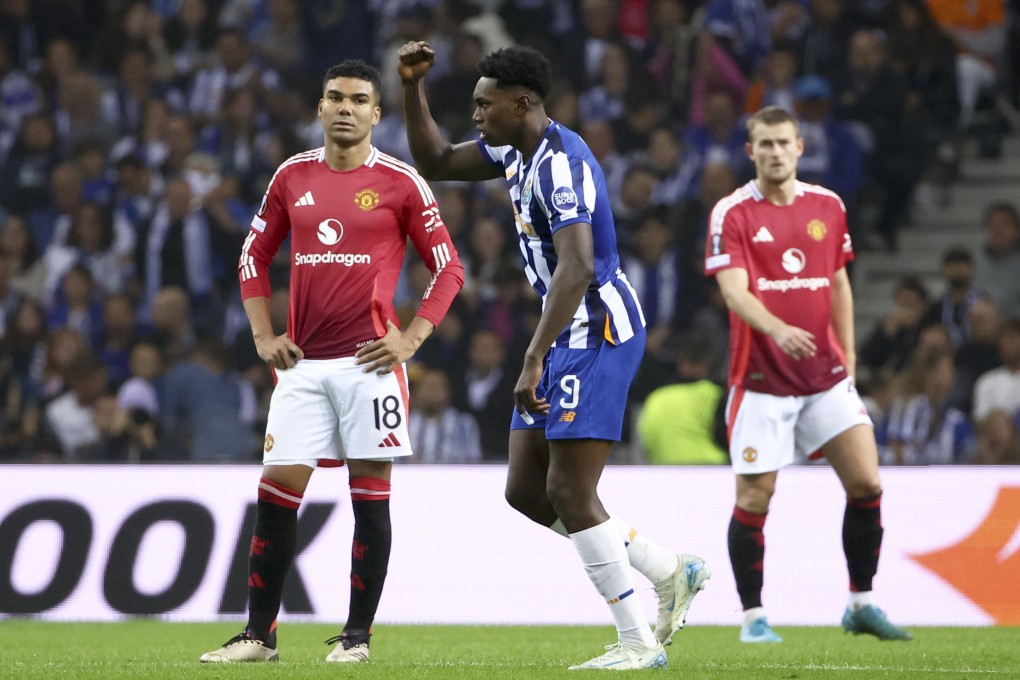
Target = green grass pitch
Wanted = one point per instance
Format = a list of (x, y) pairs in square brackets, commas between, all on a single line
[(154, 650)]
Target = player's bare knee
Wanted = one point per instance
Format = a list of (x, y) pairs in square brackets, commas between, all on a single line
[(754, 499), (865, 488)]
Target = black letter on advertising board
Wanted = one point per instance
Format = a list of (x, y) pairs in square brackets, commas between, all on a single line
[(295, 598), (118, 580), (75, 525)]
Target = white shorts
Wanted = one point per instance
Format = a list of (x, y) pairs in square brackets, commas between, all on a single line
[(326, 411), (768, 432)]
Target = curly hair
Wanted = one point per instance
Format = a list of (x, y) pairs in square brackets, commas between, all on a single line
[(522, 66), (354, 68)]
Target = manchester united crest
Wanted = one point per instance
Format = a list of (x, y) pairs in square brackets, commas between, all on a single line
[(816, 229), (366, 199), (269, 443), (750, 455)]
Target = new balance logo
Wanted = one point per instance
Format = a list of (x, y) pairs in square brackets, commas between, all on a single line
[(305, 200), (763, 236), (390, 441)]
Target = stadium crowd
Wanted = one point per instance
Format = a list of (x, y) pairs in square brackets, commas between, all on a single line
[(137, 139)]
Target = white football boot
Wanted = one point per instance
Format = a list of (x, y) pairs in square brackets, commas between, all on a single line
[(240, 649), (676, 594), (623, 656), (348, 649)]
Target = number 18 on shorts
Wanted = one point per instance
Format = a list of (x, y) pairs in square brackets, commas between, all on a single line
[(332, 410)]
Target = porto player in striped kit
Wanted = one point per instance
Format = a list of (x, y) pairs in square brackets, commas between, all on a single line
[(341, 392), (778, 248), (571, 395)]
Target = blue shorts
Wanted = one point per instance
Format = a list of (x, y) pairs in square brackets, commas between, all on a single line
[(587, 390)]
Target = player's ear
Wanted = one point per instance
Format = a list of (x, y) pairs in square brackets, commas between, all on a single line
[(749, 149), (318, 109), (522, 104)]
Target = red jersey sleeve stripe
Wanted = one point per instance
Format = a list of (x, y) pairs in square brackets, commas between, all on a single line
[(423, 188)]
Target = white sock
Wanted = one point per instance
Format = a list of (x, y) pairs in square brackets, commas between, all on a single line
[(753, 613), (858, 600), (648, 557), (605, 560)]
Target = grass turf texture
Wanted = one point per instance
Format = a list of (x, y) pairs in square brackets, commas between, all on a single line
[(154, 650)]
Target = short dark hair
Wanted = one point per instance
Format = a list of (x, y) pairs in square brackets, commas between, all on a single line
[(355, 68), (522, 66), (770, 115), (955, 255)]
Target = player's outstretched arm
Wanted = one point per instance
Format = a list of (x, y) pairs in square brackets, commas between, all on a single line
[(279, 351), (434, 157), (795, 342)]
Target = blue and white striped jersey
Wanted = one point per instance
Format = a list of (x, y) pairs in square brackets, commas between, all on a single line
[(562, 184)]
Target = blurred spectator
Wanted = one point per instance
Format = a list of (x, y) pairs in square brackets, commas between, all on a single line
[(979, 31), (138, 398), (90, 157), (453, 92), (683, 424), (25, 173), (601, 139), (997, 262), (732, 45), (89, 244), (117, 337), (172, 330), (893, 339), (721, 137), (774, 85), (980, 353), (140, 392), (75, 305), (999, 389), (70, 418), (84, 110), (636, 193), (487, 392), (281, 42), (921, 52), (676, 171), (671, 53), (825, 41), (998, 441), (18, 94), (190, 34), (52, 222), (832, 157), (923, 428), (177, 248), (605, 100), (63, 346), (207, 409), (872, 99), (656, 272), (439, 432), (952, 308), (234, 69), (26, 271)]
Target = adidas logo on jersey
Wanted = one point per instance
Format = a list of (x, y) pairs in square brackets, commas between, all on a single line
[(389, 442), (763, 236), (305, 200)]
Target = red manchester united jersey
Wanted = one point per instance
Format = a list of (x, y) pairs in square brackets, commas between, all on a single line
[(790, 253), (348, 233)]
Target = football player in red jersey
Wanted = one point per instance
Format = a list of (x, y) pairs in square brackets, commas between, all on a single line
[(778, 248), (341, 392)]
